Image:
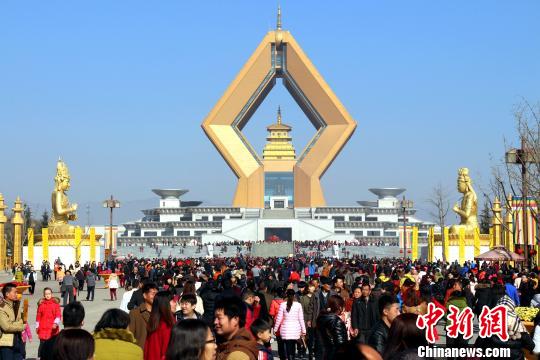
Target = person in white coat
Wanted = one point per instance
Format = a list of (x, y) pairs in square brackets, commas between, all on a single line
[(127, 296), (113, 285)]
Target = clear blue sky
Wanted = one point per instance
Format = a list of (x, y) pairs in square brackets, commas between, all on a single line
[(119, 90)]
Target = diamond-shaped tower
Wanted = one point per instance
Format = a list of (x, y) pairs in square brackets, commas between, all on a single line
[(279, 56)]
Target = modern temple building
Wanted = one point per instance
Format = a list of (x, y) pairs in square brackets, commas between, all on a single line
[(176, 221), (279, 194)]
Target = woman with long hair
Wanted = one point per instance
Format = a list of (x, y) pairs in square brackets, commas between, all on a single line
[(160, 325), (191, 339), (74, 344), (331, 328), (404, 338), (290, 323), (113, 339)]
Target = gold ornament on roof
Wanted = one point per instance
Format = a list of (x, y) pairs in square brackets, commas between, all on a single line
[(468, 209)]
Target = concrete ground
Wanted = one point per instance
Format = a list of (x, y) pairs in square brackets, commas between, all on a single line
[(93, 310)]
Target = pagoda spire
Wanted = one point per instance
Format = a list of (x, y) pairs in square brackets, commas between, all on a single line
[(278, 27), (279, 142)]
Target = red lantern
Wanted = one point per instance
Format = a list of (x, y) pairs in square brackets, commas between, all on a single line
[(519, 251), (401, 251), (409, 251), (532, 252)]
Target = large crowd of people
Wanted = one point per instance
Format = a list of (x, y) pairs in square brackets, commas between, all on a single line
[(233, 308)]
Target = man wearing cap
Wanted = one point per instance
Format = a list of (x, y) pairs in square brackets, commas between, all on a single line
[(301, 287), (316, 305)]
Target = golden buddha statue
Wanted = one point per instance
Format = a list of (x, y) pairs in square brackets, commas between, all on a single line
[(62, 210), (468, 209)]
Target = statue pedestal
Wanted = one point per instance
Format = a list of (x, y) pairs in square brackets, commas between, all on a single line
[(65, 247), (460, 247)]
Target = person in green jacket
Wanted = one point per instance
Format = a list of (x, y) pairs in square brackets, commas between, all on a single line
[(458, 299), (19, 276), (113, 339)]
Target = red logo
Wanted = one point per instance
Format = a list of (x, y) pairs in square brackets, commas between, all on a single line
[(460, 322), (429, 321), (493, 322)]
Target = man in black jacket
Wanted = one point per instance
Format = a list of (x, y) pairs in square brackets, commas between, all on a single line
[(137, 297), (317, 304), (388, 311), (364, 315)]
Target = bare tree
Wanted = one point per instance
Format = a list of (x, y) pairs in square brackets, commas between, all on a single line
[(440, 206), (510, 179)]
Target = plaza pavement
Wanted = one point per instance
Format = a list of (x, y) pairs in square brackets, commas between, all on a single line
[(93, 309)]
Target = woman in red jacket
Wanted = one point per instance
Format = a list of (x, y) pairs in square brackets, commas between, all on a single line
[(160, 325), (48, 317)]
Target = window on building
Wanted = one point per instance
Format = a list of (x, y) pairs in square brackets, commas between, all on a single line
[(216, 231), (340, 232), (373, 233), (338, 218), (203, 218), (371, 218), (355, 218), (390, 233), (200, 232), (236, 217), (182, 233), (218, 218), (357, 233), (278, 184), (150, 233)]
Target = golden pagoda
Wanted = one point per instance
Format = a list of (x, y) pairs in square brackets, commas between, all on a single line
[(279, 142)]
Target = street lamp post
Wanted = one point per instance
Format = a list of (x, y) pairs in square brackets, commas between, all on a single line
[(522, 157), (405, 205), (112, 204)]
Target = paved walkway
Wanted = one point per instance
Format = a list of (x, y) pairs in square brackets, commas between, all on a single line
[(93, 310)]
